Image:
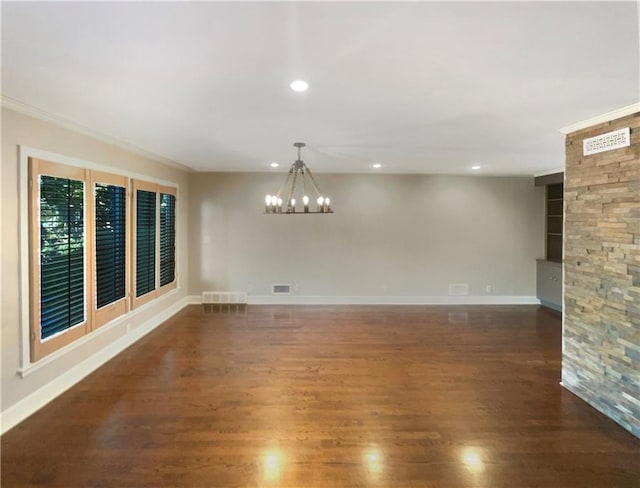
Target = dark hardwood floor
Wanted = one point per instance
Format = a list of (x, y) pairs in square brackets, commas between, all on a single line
[(328, 397)]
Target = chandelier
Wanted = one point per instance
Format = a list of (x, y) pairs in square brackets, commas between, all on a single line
[(284, 202)]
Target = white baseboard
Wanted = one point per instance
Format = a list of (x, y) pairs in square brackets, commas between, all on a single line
[(16, 413), (384, 300)]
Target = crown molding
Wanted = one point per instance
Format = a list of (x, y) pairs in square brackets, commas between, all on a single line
[(600, 119), (549, 172), (31, 111)]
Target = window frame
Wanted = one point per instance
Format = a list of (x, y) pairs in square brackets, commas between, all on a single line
[(111, 311), (39, 347), (153, 294), (138, 184)]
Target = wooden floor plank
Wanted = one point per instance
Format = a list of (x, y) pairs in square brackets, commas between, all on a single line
[(340, 396)]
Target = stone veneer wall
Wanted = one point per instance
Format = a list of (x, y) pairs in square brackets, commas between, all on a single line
[(601, 353)]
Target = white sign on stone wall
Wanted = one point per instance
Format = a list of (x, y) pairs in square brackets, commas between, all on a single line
[(606, 142)]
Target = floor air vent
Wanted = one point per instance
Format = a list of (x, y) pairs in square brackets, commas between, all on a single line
[(281, 289), (224, 297)]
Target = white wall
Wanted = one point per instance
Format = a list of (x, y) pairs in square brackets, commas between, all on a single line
[(19, 394), (391, 236)]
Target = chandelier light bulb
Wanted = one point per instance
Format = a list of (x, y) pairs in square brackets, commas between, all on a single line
[(279, 202), (274, 200), (293, 202), (305, 200), (327, 201), (320, 200), (268, 199)]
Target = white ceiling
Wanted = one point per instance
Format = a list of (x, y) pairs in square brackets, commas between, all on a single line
[(421, 87)]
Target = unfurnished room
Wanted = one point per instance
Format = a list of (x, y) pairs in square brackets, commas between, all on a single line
[(320, 244)]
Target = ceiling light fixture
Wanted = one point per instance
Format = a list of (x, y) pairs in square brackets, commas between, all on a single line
[(276, 204), (274, 165), (377, 165), (476, 167), (299, 85)]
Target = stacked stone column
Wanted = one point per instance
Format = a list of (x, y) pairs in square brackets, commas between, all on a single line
[(601, 358)]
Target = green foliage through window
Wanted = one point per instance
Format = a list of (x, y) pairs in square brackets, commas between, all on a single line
[(61, 254), (145, 242), (111, 218)]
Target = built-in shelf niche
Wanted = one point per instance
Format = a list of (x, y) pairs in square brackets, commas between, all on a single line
[(554, 221)]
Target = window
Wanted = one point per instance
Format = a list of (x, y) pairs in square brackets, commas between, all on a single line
[(96, 251), (61, 254), (110, 256), (145, 242), (155, 237), (58, 258), (167, 238)]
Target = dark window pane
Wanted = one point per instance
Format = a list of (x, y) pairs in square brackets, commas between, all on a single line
[(167, 238), (61, 254), (110, 243), (145, 242)]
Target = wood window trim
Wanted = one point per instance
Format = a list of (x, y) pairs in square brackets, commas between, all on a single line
[(113, 310), (41, 348), (153, 294)]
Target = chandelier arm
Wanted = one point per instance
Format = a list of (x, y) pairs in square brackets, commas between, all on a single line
[(304, 181), (293, 187), (313, 183), (286, 181)]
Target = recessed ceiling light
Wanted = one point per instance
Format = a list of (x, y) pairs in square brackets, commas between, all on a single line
[(377, 165), (299, 85), (274, 165), (476, 167)]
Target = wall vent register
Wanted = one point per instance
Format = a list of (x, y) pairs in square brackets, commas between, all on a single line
[(606, 142), (281, 289)]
